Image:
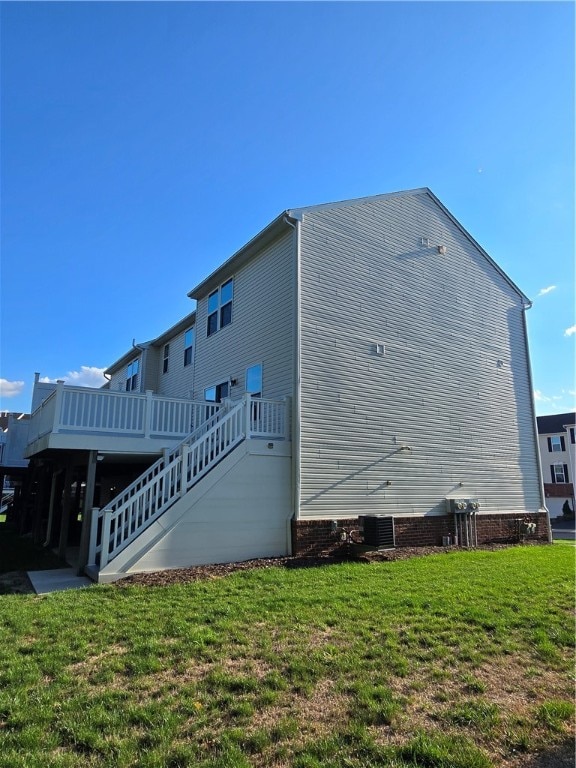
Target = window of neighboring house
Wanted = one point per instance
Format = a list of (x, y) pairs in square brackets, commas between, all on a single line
[(217, 393), (572, 435), (188, 346), (220, 307), (254, 380), (166, 356), (559, 473), (556, 444), (132, 375)]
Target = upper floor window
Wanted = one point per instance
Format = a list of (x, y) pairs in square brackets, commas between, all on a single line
[(165, 358), (556, 444), (254, 380), (220, 307), (572, 435), (559, 473), (188, 346), (132, 375)]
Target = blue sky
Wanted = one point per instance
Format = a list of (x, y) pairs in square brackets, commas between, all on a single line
[(143, 143)]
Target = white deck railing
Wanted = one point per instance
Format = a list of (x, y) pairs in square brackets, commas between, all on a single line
[(127, 414), (122, 520)]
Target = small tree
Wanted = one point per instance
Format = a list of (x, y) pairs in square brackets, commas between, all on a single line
[(566, 510)]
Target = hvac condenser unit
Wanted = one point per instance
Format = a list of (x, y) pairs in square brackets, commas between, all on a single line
[(378, 531)]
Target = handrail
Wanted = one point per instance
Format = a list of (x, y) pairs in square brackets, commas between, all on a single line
[(132, 511), (129, 414), (124, 518)]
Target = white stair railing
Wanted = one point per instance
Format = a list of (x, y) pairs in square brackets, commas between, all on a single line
[(122, 520), (115, 526)]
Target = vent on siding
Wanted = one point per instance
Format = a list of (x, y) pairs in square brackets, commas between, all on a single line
[(378, 531)]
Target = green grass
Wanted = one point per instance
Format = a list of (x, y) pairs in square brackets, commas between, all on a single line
[(450, 661)]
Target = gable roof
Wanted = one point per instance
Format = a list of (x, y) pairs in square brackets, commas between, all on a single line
[(182, 325), (283, 222), (555, 424)]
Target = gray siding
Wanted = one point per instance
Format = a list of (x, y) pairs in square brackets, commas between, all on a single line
[(261, 330), (118, 378), (179, 380), (453, 384)]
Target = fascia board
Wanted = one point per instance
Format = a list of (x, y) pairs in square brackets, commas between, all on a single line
[(127, 357), (179, 327), (241, 257), (297, 213), (527, 302)]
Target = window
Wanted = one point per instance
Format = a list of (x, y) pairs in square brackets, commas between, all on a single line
[(559, 473), (217, 393), (254, 380), (572, 435), (556, 444), (220, 307), (132, 375), (188, 346), (166, 356)]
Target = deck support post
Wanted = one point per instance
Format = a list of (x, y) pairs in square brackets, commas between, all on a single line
[(87, 506), (66, 507), (51, 504)]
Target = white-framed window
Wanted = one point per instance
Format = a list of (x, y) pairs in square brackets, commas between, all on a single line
[(556, 444), (217, 393), (220, 307), (254, 380), (132, 375), (572, 435), (559, 473), (188, 346), (165, 358)]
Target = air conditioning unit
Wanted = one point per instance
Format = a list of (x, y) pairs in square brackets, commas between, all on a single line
[(461, 506), (378, 531)]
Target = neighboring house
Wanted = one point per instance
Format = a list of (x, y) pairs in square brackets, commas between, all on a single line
[(557, 454), (13, 465), (361, 358)]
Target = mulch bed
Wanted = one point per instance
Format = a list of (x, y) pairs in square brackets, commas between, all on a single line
[(204, 572), (17, 582)]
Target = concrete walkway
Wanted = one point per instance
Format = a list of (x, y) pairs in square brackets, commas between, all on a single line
[(57, 580)]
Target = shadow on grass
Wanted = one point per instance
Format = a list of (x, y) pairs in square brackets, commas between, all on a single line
[(19, 553), (559, 756)]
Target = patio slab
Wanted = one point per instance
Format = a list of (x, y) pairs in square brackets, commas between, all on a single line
[(57, 580)]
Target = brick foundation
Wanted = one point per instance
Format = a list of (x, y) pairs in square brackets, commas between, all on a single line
[(317, 537)]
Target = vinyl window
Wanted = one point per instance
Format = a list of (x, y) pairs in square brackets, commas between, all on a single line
[(220, 307), (165, 358), (254, 380), (559, 473), (556, 444), (188, 346), (132, 375)]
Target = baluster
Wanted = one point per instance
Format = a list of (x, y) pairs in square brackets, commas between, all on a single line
[(93, 527), (106, 521)]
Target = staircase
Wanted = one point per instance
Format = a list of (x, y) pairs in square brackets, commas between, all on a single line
[(127, 516)]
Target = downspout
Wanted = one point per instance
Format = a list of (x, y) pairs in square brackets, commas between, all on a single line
[(297, 381), (143, 361), (534, 422)]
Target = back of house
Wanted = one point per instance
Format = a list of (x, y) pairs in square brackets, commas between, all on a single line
[(358, 370)]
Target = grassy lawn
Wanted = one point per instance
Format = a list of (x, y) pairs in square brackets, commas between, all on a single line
[(460, 660)]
